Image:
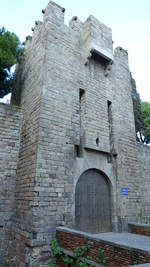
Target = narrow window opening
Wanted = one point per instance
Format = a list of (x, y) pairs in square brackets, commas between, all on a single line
[(77, 151), (79, 148), (97, 141), (109, 110), (109, 104), (81, 93)]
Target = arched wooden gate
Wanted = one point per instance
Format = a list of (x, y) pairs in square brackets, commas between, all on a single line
[(92, 203)]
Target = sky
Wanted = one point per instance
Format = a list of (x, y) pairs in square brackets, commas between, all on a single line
[(129, 20)]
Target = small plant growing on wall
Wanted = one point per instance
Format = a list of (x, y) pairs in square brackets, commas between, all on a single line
[(102, 257), (79, 258)]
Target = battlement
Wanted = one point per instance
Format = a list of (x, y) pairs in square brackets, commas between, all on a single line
[(54, 13), (95, 37)]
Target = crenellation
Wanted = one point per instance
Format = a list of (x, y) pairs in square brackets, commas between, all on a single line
[(54, 14), (76, 24)]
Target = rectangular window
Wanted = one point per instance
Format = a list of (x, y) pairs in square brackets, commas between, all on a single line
[(77, 151), (78, 148), (81, 93), (109, 110)]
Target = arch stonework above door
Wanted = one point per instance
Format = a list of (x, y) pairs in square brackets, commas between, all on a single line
[(92, 202)]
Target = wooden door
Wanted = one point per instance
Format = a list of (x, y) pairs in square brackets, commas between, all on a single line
[(92, 203)]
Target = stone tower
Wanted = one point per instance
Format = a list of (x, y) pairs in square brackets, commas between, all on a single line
[(77, 150)]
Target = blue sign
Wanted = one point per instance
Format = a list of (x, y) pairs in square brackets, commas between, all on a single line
[(124, 191)]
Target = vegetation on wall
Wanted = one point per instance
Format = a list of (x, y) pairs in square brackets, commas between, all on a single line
[(80, 257), (11, 52)]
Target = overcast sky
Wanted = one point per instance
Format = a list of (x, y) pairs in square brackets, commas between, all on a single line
[(129, 20)]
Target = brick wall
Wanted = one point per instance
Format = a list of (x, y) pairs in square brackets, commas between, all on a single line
[(117, 256), (10, 123), (141, 229)]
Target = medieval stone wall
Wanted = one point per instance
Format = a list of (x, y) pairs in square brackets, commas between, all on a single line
[(73, 113), (144, 161), (124, 142), (29, 83), (77, 115), (10, 123)]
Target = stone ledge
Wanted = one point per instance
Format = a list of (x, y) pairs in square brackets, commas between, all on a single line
[(141, 229), (104, 237), (141, 265), (122, 249)]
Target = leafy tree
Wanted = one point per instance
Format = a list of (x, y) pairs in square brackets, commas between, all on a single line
[(11, 51), (145, 107), (141, 115), (137, 110)]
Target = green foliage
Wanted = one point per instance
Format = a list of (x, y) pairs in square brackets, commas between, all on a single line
[(11, 52), (102, 256), (136, 108), (80, 251), (55, 247), (56, 252), (6, 82), (80, 263), (52, 262), (68, 260), (79, 256), (145, 106), (3, 264), (141, 115), (88, 257)]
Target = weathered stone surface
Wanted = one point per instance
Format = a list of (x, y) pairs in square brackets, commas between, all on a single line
[(77, 115), (144, 163), (10, 123)]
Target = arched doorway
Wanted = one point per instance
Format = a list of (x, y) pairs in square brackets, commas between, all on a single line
[(92, 203)]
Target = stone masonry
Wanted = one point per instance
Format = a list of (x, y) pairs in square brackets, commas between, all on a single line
[(76, 115), (144, 160), (10, 124)]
